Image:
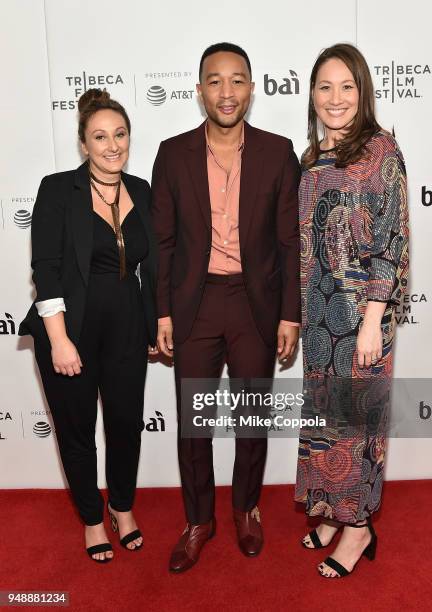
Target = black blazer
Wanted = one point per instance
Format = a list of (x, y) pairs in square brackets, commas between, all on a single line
[(62, 237)]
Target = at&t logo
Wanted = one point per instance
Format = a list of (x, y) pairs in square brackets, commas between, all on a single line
[(156, 95), (41, 429), (22, 218)]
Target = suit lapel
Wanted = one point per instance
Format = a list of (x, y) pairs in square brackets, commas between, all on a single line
[(251, 170), (197, 164), (142, 208), (82, 220)]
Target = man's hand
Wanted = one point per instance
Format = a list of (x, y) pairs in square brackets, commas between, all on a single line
[(164, 337), (287, 338)]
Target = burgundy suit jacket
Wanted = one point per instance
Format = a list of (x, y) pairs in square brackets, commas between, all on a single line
[(268, 228)]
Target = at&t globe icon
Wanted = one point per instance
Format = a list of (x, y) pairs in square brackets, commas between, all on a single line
[(41, 429), (156, 95), (22, 218)]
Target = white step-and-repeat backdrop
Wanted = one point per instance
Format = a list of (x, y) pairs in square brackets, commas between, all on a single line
[(53, 50)]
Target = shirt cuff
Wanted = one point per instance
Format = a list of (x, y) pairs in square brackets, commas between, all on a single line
[(49, 308), (164, 320), (291, 323)]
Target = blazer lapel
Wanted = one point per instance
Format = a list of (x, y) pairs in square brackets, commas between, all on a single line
[(197, 164), (142, 208), (82, 220), (251, 170)]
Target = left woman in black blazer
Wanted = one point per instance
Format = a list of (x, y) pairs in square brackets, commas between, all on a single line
[(93, 319)]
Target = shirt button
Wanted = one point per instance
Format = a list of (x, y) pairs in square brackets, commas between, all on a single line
[(225, 241), (223, 190), (225, 216)]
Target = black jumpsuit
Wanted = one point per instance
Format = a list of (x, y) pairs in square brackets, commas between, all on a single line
[(113, 350)]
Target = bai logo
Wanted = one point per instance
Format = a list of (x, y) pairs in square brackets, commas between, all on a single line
[(7, 325), (286, 86), (425, 411), (426, 196), (156, 423)]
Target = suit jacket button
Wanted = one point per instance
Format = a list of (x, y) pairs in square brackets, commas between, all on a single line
[(207, 252)]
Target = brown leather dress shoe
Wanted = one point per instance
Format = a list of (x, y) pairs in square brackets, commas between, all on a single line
[(187, 550), (249, 531)]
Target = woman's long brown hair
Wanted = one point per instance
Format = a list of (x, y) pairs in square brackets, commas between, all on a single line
[(352, 147)]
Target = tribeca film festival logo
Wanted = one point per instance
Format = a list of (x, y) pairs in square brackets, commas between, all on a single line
[(4, 417), (158, 94), (285, 86), (78, 84), (406, 311), (400, 81)]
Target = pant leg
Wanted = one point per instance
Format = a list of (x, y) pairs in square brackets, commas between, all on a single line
[(248, 356), (122, 372), (202, 355), (73, 405)]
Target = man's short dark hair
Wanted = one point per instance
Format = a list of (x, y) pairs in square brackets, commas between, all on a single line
[(225, 46)]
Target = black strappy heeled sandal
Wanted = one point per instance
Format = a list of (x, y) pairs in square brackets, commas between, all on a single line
[(129, 537), (369, 552), (100, 548), (315, 539)]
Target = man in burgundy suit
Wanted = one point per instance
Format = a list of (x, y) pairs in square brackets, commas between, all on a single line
[(226, 217)]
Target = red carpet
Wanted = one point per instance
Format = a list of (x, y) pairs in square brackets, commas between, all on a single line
[(41, 548)]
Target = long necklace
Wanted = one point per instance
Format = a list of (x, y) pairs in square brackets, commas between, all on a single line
[(115, 215)]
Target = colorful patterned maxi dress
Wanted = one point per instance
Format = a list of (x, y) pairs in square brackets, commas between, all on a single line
[(354, 248)]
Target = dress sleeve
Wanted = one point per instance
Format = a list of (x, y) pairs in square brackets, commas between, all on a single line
[(388, 273)]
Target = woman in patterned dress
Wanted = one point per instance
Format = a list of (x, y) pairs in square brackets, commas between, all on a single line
[(354, 263)]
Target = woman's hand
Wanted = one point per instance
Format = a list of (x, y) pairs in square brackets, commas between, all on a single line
[(369, 339), (369, 344), (65, 357)]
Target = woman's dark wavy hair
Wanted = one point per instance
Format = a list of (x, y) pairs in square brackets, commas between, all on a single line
[(352, 147)]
